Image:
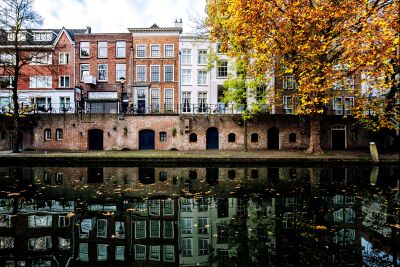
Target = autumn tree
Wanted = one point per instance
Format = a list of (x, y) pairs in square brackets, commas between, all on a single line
[(321, 44), (16, 15)]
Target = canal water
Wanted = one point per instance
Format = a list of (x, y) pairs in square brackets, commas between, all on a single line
[(199, 216)]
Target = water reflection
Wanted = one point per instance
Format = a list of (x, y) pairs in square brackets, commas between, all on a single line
[(216, 216)]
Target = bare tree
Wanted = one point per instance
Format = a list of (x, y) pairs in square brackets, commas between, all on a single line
[(16, 16)]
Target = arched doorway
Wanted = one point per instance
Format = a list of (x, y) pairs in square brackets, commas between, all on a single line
[(146, 140), (212, 138), (273, 138), (95, 139)]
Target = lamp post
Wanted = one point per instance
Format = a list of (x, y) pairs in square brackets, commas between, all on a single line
[(122, 108)]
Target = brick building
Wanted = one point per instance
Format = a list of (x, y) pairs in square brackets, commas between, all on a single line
[(156, 69)]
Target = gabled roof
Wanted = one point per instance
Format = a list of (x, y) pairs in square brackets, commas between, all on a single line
[(156, 29)]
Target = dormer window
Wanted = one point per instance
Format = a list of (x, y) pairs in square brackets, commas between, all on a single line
[(42, 36), (21, 36)]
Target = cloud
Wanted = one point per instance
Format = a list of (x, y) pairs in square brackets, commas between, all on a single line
[(116, 15)]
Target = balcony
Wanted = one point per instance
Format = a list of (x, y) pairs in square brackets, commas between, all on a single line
[(89, 79)]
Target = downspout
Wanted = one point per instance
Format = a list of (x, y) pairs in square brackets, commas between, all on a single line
[(179, 83)]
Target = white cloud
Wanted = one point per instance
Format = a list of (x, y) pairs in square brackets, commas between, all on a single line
[(117, 15)]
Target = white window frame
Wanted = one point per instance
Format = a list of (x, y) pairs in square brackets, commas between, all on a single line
[(165, 73), (42, 36), (157, 251), (154, 207), (64, 58), (118, 255), (155, 99), (41, 58), (221, 69), (152, 71), (101, 235), (348, 105), (157, 224), (5, 220), (172, 206), (288, 108), (102, 257), (136, 254), (102, 48), (202, 228), (288, 82), (185, 248), (201, 57), (337, 105), (35, 81), (186, 77), (83, 252), (156, 53), (120, 71), (138, 55), (187, 225), (102, 70), (186, 101), (169, 107), (59, 134), (119, 47), (202, 80), (47, 134), (186, 56), (138, 67), (84, 72), (62, 81), (167, 248), (84, 46), (205, 250), (167, 52), (171, 223), (136, 230)]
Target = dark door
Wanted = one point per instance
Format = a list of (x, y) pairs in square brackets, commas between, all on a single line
[(338, 139), (95, 141), (212, 138), (146, 140), (273, 138), (141, 106)]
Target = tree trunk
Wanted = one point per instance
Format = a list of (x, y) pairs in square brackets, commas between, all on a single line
[(315, 143)]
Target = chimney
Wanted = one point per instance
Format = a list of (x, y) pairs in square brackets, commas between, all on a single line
[(88, 29), (178, 23)]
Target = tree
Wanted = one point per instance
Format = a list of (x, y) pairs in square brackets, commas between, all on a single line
[(16, 15), (321, 44)]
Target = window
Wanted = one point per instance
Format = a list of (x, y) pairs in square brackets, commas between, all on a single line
[(169, 50), (84, 69), (163, 174), (65, 103), (102, 228), (231, 138), (168, 73), (202, 204), (119, 230), (141, 51), (154, 253), (202, 57), (140, 229), (155, 100), (192, 138), (155, 51), (254, 137), (42, 36), (169, 253), (59, 134), (140, 73), (84, 49), (6, 242), (154, 207), (168, 229), (168, 207), (204, 246), (7, 59), (186, 247), (154, 228), (140, 252), (102, 70), (40, 243), (155, 73), (41, 58), (292, 138), (120, 49), (186, 225), (5, 220), (119, 253), (102, 49), (40, 82), (64, 81), (163, 136), (64, 243), (348, 105), (186, 204), (169, 100), (84, 252), (202, 101), (288, 104), (186, 77), (202, 225), (186, 57), (186, 100), (222, 69), (337, 106), (47, 134), (222, 234), (202, 77), (288, 82), (222, 255), (102, 252), (63, 221), (120, 71), (5, 82)]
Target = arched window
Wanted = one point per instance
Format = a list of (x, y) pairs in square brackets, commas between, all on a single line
[(254, 137), (47, 134), (59, 134), (292, 138), (231, 137), (193, 138)]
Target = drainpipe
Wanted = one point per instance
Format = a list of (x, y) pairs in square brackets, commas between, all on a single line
[(179, 83)]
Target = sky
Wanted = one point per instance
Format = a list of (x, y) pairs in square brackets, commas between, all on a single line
[(116, 16)]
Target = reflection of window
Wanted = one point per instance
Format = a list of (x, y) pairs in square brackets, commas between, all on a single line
[(154, 253), (288, 82), (119, 230), (84, 252), (202, 225), (288, 104), (186, 225), (154, 207), (119, 253), (63, 221), (254, 138), (203, 246), (5, 220), (40, 243), (102, 228), (222, 234), (186, 204), (140, 229), (168, 207), (203, 204), (169, 253), (35, 221), (186, 247), (346, 215), (6, 242), (140, 252), (84, 49), (101, 252), (64, 244), (292, 138), (154, 228), (192, 138), (231, 137), (168, 229), (186, 56)]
